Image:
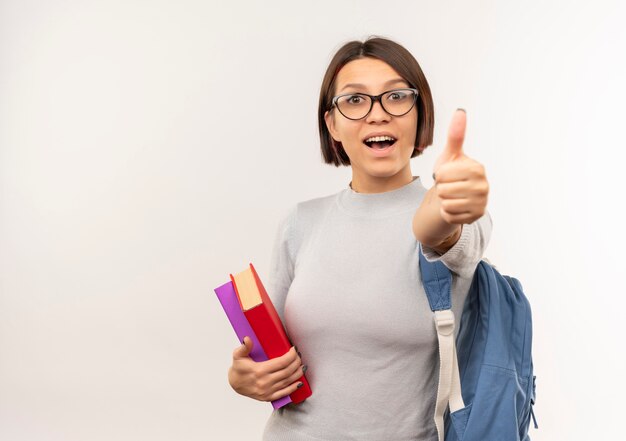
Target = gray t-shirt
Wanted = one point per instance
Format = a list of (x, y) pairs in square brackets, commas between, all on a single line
[(345, 280)]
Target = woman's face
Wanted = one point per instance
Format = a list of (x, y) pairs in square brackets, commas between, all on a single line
[(372, 167)]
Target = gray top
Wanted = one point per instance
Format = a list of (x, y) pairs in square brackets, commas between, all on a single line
[(345, 279)]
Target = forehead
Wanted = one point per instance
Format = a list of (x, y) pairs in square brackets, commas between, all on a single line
[(367, 75)]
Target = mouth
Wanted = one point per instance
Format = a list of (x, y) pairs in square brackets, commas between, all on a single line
[(379, 142)]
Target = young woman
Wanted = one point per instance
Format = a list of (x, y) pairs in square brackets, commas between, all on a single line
[(345, 275)]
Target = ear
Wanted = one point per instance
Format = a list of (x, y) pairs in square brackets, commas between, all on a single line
[(330, 125)]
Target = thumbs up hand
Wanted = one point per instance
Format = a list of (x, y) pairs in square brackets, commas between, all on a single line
[(460, 182)]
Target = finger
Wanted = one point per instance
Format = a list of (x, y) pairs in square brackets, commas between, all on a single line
[(462, 170), (462, 189), (285, 391), (282, 362), (456, 134), (281, 374), (243, 350), (281, 379), (452, 190), (288, 376), (466, 218), (456, 206)]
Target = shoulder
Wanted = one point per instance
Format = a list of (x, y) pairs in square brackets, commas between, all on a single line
[(306, 213), (314, 207)]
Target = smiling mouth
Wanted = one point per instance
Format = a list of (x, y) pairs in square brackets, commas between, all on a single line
[(379, 142)]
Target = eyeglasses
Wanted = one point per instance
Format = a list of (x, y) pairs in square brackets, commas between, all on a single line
[(355, 106)]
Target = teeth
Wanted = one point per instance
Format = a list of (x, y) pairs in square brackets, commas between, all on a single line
[(379, 139)]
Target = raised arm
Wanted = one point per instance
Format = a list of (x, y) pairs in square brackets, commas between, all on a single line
[(458, 197)]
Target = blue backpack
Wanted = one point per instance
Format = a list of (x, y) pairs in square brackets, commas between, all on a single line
[(486, 384)]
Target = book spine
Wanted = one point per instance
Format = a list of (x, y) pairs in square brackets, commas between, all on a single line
[(228, 299)]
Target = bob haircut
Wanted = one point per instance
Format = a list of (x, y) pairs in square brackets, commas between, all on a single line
[(402, 62)]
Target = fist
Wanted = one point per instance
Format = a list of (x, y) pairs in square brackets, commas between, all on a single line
[(460, 182)]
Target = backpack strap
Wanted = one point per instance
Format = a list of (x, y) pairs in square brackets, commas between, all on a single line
[(437, 281)]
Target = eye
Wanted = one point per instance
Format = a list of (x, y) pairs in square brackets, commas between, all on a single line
[(397, 95), (354, 99)]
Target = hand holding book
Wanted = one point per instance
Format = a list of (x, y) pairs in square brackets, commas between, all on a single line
[(265, 380), (266, 367)]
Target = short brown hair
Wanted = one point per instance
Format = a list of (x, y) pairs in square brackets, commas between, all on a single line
[(401, 60)]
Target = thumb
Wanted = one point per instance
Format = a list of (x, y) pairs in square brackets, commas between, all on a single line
[(456, 135), (245, 349)]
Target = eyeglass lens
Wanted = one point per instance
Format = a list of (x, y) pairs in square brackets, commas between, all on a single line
[(395, 102)]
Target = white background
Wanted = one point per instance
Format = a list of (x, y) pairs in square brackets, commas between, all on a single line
[(149, 148)]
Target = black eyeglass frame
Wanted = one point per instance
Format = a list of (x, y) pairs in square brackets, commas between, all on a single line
[(373, 99)]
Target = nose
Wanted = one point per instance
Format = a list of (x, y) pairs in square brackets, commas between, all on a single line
[(377, 114)]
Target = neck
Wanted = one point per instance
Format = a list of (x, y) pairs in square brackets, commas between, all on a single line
[(375, 184)]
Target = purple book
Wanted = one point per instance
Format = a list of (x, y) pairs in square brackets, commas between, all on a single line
[(228, 298)]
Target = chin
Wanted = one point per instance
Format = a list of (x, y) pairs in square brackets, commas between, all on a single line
[(384, 172)]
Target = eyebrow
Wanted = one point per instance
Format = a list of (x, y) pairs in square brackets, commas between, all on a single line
[(362, 86)]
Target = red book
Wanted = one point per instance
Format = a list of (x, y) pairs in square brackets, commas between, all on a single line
[(265, 321)]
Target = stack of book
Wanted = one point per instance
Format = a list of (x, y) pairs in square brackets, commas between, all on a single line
[(251, 313)]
